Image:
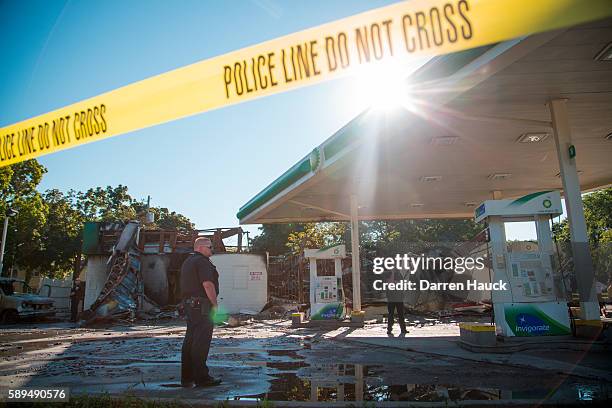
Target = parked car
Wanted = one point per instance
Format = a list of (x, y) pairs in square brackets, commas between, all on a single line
[(18, 301)]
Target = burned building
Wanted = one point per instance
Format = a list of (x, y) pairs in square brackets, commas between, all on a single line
[(131, 270)]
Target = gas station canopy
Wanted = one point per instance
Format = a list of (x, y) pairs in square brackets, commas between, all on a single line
[(477, 125)]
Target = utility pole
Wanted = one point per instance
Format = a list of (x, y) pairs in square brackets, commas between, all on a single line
[(149, 216)]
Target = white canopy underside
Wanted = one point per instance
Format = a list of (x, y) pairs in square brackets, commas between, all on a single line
[(461, 130)]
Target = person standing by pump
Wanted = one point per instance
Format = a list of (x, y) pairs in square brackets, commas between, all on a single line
[(199, 290), (395, 302)]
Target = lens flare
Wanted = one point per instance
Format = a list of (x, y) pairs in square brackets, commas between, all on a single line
[(219, 315), (383, 86)]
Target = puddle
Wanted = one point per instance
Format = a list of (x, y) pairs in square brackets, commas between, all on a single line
[(286, 365), (300, 381), (292, 374), (303, 369), (291, 387)]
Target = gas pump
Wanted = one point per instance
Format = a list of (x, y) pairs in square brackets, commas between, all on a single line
[(534, 304), (326, 294)]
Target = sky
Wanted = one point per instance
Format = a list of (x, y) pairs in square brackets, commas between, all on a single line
[(205, 166)]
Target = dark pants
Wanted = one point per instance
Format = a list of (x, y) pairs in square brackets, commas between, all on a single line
[(391, 307), (196, 346), (74, 308)]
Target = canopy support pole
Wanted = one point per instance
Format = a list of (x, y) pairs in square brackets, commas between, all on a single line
[(356, 266), (583, 263)]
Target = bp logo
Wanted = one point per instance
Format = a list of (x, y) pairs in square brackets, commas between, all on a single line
[(315, 160), (479, 211), (547, 203)]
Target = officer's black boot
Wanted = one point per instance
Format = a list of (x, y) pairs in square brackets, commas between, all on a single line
[(208, 382), (400, 317)]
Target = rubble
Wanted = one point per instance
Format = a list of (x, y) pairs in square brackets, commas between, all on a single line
[(276, 309), (118, 298), (141, 278)]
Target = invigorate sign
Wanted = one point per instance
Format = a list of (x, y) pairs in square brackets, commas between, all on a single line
[(536, 319)]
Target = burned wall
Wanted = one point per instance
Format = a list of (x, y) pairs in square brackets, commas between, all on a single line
[(155, 277)]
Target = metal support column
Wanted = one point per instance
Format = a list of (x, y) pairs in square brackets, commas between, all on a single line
[(313, 279), (338, 268), (359, 383), (356, 266), (583, 264)]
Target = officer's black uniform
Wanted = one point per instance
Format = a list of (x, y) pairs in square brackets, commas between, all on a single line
[(195, 270)]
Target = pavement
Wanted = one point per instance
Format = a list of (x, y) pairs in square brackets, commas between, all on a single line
[(269, 360), (443, 340)]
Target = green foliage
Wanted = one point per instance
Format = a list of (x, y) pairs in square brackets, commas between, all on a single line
[(105, 204), (422, 230), (598, 217), (385, 238), (316, 235), (378, 236), (164, 218), (273, 238), (18, 192), (279, 239), (170, 220), (62, 234), (19, 180), (46, 233)]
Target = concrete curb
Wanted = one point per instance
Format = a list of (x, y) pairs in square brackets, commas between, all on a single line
[(503, 348)]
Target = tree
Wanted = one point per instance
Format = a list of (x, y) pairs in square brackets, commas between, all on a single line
[(280, 239), (274, 237), (598, 217), (105, 204), (46, 233), (18, 191), (164, 218), (19, 180), (376, 237), (170, 220), (62, 235), (316, 235)]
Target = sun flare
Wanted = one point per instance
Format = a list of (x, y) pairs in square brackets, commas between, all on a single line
[(382, 86)]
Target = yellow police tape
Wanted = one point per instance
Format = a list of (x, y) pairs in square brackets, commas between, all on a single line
[(417, 27)]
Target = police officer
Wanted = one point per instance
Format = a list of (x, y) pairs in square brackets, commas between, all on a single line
[(199, 290), (76, 295)]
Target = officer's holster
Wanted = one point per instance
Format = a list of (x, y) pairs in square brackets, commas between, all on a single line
[(198, 302)]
